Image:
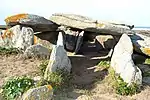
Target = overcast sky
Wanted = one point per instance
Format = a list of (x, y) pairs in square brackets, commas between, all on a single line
[(135, 12)]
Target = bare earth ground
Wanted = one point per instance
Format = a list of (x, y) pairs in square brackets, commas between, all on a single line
[(83, 78)]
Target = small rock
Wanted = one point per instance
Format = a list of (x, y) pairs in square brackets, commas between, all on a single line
[(58, 58), (122, 62), (105, 42), (146, 80), (39, 93), (37, 51), (141, 43)]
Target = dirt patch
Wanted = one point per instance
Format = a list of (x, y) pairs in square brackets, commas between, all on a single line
[(87, 84), (15, 65)]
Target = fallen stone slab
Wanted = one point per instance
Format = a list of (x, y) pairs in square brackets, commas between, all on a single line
[(39, 93), (17, 37), (37, 51), (141, 43), (105, 42), (37, 23), (58, 58), (88, 24), (122, 62)]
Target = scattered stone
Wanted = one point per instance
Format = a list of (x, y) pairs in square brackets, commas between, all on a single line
[(122, 62), (141, 43), (39, 93), (58, 58), (106, 42), (37, 23), (37, 51), (146, 80), (17, 37), (90, 25)]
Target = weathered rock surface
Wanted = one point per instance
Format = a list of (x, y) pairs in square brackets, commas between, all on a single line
[(37, 23), (58, 58), (122, 62), (141, 43), (17, 37), (37, 51), (105, 42), (39, 93), (88, 24)]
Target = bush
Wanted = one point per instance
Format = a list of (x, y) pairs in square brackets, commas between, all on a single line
[(105, 64), (119, 85), (122, 88), (147, 61), (7, 51), (102, 65), (59, 79), (15, 87), (43, 66)]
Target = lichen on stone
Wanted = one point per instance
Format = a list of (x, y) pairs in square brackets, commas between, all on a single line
[(7, 34), (16, 18), (146, 50)]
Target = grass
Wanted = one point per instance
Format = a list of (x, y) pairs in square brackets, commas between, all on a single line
[(119, 86), (102, 65), (8, 51), (16, 86), (147, 61), (59, 79), (43, 66), (146, 74)]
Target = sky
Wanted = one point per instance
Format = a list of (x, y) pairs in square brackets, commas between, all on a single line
[(134, 12)]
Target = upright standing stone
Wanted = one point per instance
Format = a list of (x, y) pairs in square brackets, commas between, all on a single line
[(122, 62), (79, 42), (58, 58)]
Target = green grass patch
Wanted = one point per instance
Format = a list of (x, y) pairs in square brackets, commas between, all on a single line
[(102, 65), (147, 61), (59, 79), (43, 66), (146, 74), (119, 86), (8, 51), (16, 86)]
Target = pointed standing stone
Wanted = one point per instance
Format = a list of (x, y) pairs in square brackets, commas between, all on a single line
[(58, 58), (122, 62)]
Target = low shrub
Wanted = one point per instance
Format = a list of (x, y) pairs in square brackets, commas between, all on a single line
[(7, 51), (16, 86), (147, 61), (104, 63), (122, 88), (43, 66), (59, 79), (119, 86)]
